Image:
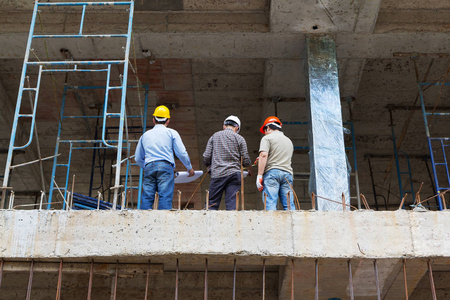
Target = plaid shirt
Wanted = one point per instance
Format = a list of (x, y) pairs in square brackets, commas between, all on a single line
[(223, 153)]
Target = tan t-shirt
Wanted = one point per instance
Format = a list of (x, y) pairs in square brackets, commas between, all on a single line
[(280, 149)]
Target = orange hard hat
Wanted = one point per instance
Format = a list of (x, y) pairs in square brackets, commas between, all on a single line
[(269, 120)]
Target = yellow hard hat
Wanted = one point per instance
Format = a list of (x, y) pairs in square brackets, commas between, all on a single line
[(162, 112)]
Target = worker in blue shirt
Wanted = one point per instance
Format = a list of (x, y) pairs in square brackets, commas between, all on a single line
[(155, 155)]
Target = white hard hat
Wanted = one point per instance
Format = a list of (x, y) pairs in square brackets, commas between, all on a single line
[(234, 119)]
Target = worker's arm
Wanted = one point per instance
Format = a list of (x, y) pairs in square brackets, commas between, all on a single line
[(139, 155), (261, 166), (181, 153), (207, 155)]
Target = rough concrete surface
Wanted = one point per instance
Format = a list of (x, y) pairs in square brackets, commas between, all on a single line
[(303, 234)]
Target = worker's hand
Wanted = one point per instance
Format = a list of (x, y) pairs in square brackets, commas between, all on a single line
[(191, 173), (250, 171), (256, 162), (259, 183)]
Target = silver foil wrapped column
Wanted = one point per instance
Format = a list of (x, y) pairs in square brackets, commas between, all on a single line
[(329, 178)]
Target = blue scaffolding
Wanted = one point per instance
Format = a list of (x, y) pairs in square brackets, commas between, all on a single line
[(73, 66), (441, 184)]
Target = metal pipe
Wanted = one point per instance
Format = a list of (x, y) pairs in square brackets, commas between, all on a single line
[(430, 271), (83, 3), (91, 275), (80, 32), (375, 266), (30, 281), (350, 280), (33, 161)]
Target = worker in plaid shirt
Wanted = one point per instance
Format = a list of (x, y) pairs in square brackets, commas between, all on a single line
[(223, 157)]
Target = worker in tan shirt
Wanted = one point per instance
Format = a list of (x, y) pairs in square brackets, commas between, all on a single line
[(274, 167)]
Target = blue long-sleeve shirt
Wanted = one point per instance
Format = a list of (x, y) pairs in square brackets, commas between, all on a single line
[(160, 143)]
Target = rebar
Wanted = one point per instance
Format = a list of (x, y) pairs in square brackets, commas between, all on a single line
[(288, 195), (179, 199), (313, 201), (115, 281), (404, 278), (316, 294), (1, 271), (156, 202), (292, 281), (264, 280), (237, 200), (206, 279), (350, 280), (91, 275), (377, 282), (430, 271), (147, 281), (207, 200), (234, 280), (176, 281), (58, 289), (30, 281), (265, 201)]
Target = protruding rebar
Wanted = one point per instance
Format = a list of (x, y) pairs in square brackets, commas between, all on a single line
[(179, 199), (41, 200), (115, 281), (58, 289), (99, 196), (265, 201), (1, 271), (207, 200), (377, 282), (30, 281), (264, 280), (11, 200), (313, 201), (147, 281), (343, 202), (176, 281), (288, 200), (292, 281), (350, 280), (316, 297), (403, 201), (234, 280), (237, 200), (91, 275), (156, 202), (430, 272), (404, 277), (206, 280), (366, 205)]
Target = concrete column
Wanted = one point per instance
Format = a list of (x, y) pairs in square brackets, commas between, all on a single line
[(328, 162)]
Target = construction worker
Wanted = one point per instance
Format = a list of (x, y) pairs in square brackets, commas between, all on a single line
[(274, 166), (223, 155), (154, 154)]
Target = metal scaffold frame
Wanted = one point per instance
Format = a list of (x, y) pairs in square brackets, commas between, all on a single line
[(426, 115), (72, 66)]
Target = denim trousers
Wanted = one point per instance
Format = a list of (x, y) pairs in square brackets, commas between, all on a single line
[(276, 186), (158, 177), (230, 185)]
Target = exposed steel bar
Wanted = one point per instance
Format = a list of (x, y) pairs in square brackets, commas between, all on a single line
[(146, 282), (343, 202), (313, 201), (265, 201), (176, 281), (264, 280), (295, 195), (179, 199), (443, 201), (99, 196), (403, 201), (377, 282), (417, 201), (237, 200), (234, 280), (206, 279), (155, 206), (316, 296), (91, 275), (1, 271), (404, 277), (30, 281), (58, 289), (430, 271), (355, 208), (115, 281), (207, 200), (73, 187), (292, 281), (195, 191), (288, 200), (366, 204), (350, 280)]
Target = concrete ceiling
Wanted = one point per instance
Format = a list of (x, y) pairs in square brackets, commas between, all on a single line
[(215, 58)]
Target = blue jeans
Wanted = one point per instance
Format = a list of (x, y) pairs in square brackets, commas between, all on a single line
[(158, 177), (275, 186)]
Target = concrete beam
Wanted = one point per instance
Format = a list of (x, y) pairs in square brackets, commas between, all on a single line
[(245, 45), (251, 234)]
